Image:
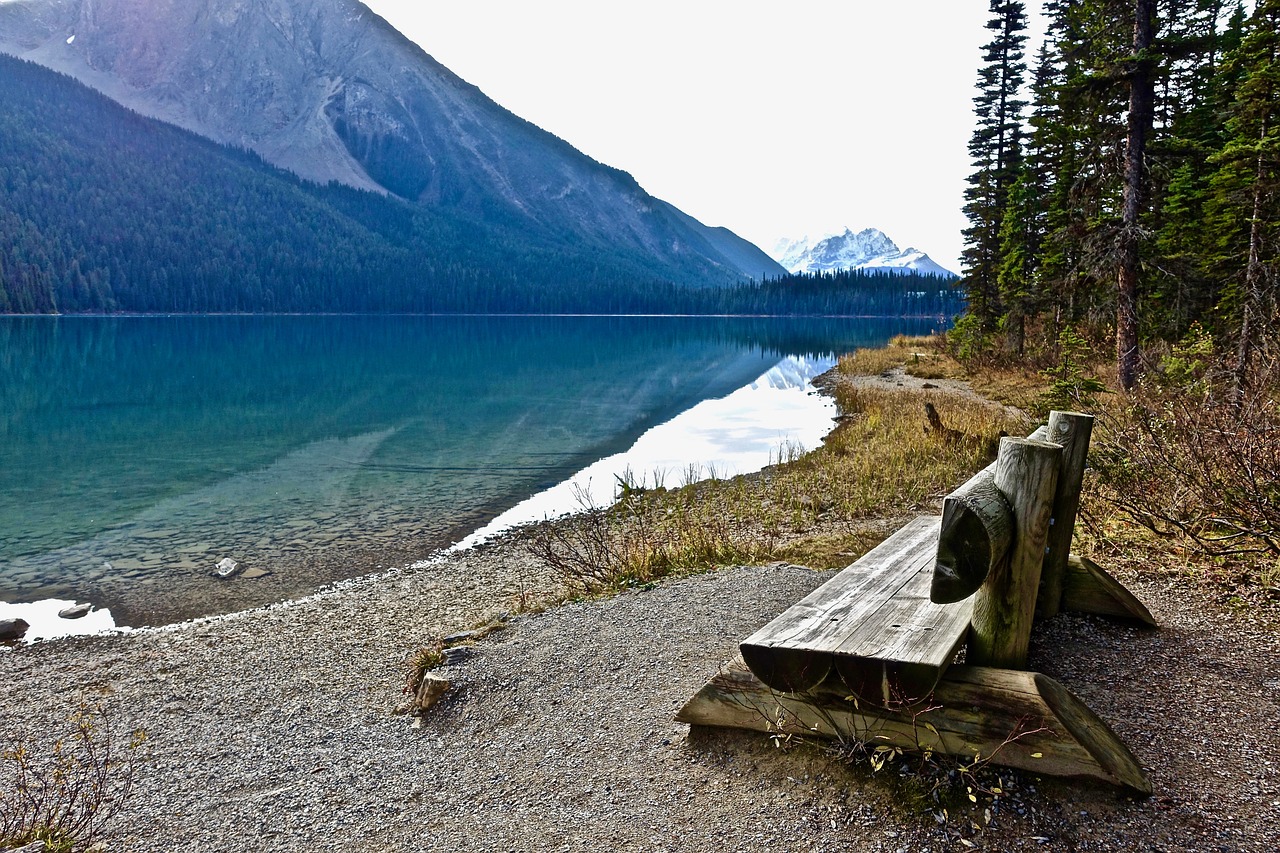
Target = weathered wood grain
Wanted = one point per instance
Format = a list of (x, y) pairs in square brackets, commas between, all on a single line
[(1087, 588), (1072, 431), (874, 622), (1004, 608), (977, 530), (1014, 719)]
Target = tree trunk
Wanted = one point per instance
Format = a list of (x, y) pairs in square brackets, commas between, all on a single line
[(1253, 296), (1141, 116)]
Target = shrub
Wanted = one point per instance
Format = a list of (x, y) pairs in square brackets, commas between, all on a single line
[(1187, 458), (63, 794), (1070, 387)]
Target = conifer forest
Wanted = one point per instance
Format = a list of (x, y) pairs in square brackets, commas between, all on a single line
[(1125, 183)]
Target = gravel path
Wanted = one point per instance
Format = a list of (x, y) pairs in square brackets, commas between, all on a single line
[(272, 729)]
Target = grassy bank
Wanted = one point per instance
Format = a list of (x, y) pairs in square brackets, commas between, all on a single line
[(822, 508), (1179, 483)]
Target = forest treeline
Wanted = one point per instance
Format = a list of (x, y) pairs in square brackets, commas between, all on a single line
[(1125, 181), (103, 210)]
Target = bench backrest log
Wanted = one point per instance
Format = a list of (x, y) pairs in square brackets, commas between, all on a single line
[(1006, 535)]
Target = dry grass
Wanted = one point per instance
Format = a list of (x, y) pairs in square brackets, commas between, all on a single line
[(821, 509), (60, 792), (825, 508), (921, 356)]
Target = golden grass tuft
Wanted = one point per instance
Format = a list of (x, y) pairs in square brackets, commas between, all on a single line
[(810, 508), (923, 356)]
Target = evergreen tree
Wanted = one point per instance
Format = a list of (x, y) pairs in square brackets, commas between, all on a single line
[(1141, 75), (996, 152), (1245, 208), (1019, 252), (1189, 114), (1149, 199)]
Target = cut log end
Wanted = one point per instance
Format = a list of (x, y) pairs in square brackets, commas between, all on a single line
[(787, 670), (977, 529), (1088, 588), (1094, 735)]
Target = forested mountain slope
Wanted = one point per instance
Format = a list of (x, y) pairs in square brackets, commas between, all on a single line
[(105, 210), (330, 91)]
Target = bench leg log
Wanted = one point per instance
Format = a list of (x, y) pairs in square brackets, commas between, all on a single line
[(1006, 716), (1087, 588), (1004, 606)]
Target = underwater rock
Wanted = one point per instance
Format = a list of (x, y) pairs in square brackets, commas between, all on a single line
[(75, 611)]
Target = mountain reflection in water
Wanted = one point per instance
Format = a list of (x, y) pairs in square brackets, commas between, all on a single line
[(139, 451)]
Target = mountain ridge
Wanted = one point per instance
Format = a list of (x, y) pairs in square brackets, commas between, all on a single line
[(868, 249), (330, 90)]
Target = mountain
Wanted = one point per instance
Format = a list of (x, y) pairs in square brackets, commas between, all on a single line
[(869, 249), (331, 92), (103, 210)]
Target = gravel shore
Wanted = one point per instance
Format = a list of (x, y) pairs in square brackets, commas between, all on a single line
[(273, 729)]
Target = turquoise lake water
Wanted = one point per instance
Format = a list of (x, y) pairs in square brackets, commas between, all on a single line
[(135, 452)]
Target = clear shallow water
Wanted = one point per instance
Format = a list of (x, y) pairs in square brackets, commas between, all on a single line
[(137, 452)]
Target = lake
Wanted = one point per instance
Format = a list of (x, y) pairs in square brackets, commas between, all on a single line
[(138, 452)]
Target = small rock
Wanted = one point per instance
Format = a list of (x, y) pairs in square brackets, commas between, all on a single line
[(430, 690), (226, 568), (13, 629), (928, 385), (75, 611), (254, 573), (455, 654)]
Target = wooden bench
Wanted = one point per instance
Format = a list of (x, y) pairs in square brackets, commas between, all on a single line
[(873, 624), (866, 651)]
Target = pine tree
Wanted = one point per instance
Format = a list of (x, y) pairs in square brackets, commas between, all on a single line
[(1190, 108), (1079, 126), (1141, 76), (995, 149), (1019, 254), (1245, 208)]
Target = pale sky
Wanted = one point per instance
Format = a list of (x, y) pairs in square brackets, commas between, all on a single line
[(772, 119)]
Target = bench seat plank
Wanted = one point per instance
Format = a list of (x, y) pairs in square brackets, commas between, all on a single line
[(873, 621)]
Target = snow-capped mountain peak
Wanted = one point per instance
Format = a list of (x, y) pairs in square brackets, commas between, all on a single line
[(869, 248)]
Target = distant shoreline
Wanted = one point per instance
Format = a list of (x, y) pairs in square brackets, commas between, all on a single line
[(472, 314)]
